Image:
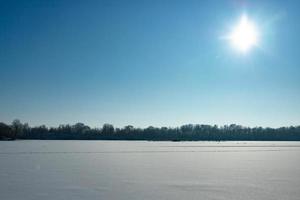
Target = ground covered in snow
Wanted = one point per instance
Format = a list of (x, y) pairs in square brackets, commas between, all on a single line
[(135, 170)]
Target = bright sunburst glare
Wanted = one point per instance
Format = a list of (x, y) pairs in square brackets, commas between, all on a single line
[(244, 36)]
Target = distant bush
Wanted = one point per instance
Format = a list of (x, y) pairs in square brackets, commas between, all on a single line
[(189, 132), (6, 132)]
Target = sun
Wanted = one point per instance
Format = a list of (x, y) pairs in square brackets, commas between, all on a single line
[(245, 35)]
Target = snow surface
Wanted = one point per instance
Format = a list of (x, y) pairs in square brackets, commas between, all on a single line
[(135, 170)]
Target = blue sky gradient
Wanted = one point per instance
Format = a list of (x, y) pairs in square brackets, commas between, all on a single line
[(160, 63)]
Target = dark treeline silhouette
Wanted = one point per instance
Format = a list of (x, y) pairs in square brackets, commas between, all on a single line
[(190, 132)]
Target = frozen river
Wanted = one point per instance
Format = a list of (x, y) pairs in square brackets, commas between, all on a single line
[(136, 170)]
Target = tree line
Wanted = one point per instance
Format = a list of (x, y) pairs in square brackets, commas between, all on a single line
[(189, 132)]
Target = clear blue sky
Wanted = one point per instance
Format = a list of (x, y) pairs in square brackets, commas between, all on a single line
[(160, 63)]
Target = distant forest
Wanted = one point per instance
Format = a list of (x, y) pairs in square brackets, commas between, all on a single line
[(189, 132)]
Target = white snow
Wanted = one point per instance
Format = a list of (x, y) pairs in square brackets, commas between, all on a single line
[(135, 170)]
